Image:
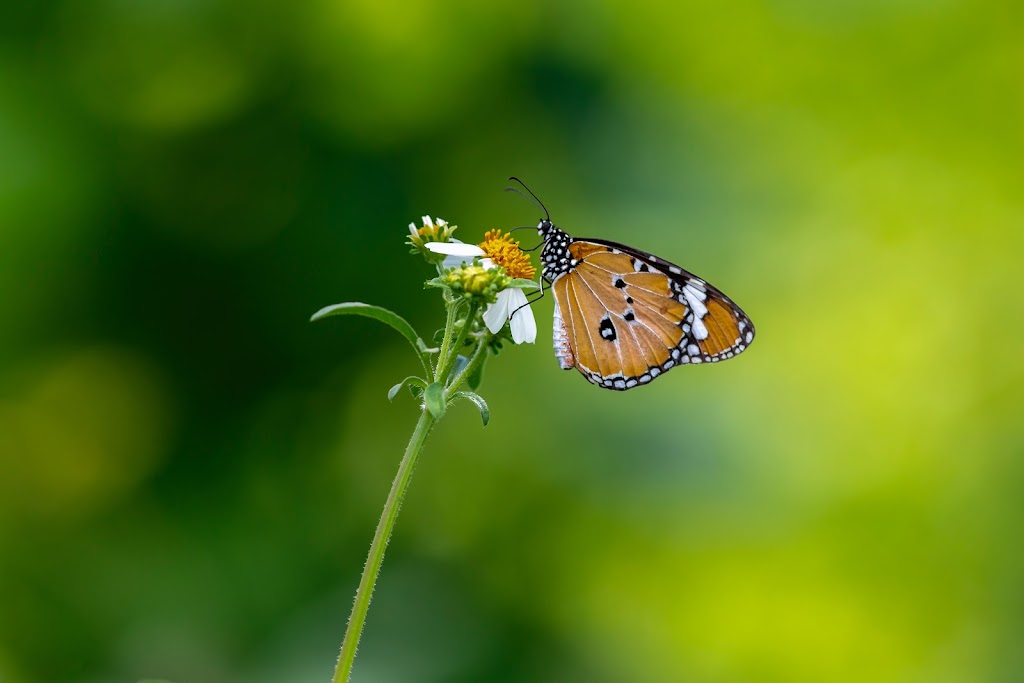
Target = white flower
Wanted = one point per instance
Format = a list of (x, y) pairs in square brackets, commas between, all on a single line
[(512, 304), (523, 326), (456, 253), (430, 232), (430, 225)]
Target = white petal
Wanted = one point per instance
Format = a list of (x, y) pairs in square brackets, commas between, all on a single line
[(440, 222), (487, 264), (427, 222), (523, 325), (497, 313), (455, 249), (413, 230)]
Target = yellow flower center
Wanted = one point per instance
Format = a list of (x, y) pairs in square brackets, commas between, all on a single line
[(475, 279), (505, 252)]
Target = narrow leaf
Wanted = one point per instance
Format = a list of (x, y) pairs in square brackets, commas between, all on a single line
[(520, 283), (481, 404), (426, 349), (408, 381), (477, 378), (434, 398), (376, 312), (395, 321)]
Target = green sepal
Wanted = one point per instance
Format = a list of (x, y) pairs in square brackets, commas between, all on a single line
[(395, 321), (520, 283), (437, 282), (433, 397), (481, 404), (411, 382)]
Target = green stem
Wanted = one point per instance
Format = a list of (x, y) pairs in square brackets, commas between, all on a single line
[(380, 541), (446, 343), (478, 357), (453, 352)]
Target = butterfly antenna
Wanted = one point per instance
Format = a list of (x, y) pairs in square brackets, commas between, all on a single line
[(525, 227), (538, 201)]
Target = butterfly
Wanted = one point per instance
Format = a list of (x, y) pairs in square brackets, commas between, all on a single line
[(624, 317)]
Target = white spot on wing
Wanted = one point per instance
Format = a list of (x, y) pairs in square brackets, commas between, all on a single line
[(695, 299)]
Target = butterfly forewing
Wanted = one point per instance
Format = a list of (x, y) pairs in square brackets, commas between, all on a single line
[(628, 316)]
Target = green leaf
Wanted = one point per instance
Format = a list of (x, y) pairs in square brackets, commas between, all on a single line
[(397, 322), (376, 312), (408, 381), (477, 378), (520, 283), (426, 349), (434, 398), (481, 404)]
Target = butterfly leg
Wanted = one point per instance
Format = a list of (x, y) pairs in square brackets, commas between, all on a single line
[(535, 297)]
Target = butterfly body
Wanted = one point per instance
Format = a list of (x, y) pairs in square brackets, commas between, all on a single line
[(623, 317)]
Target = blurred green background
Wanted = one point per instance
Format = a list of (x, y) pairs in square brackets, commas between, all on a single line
[(190, 472)]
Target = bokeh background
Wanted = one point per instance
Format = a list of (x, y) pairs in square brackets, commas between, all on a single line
[(190, 472)]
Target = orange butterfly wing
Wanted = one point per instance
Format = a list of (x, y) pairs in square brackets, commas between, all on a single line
[(623, 317)]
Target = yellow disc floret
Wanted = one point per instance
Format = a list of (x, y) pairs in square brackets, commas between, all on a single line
[(477, 282), (505, 252)]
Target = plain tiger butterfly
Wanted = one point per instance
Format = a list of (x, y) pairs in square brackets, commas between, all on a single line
[(624, 317)]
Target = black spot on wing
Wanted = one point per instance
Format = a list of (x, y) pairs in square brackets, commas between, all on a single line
[(607, 329)]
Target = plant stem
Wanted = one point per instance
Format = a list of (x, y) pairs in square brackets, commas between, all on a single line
[(478, 357), (380, 541), (446, 343), (446, 365)]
